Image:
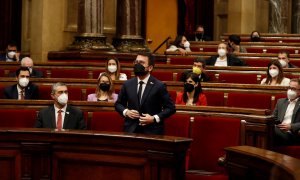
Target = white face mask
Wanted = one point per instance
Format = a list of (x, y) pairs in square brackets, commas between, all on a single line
[(273, 72), (291, 95), (112, 68), (282, 62), (186, 44), (221, 52), (63, 99), (23, 82), (11, 54)]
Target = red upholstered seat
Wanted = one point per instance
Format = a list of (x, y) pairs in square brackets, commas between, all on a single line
[(247, 100), (295, 62), (75, 93), (257, 62), (214, 98), (70, 73), (107, 121), (1, 72), (97, 72), (18, 118), (204, 49), (45, 92), (163, 75), (173, 95), (182, 60), (2, 87), (177, 125), (210, 136), (238, 78)]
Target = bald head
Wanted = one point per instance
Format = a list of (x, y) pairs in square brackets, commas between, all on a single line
[(27, 62)]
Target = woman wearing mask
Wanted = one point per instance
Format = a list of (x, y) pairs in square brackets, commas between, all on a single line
[(113, 68), (275, 75), (104, 90), (255, 36), (180, 44), (223, 59), (192, 94)]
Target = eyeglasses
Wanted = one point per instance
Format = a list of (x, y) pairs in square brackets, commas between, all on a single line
[(293, 89)]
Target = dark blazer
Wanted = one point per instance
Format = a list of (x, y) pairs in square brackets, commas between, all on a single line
[(31, 92), (231, 61), (204, 77), (280, 110), (155, 101), (35, 73), (73, 118), (292, 65)]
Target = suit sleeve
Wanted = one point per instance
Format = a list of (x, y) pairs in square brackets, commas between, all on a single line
[(35, 92), (39, 121), (120, 104), (275, 113), (81, 123)]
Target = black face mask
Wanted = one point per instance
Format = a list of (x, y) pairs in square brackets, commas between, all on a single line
[(104, 86), (188, 87), (139, 70), (199, 35), (255, 38)]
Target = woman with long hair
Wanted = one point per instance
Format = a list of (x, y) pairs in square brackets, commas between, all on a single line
[(275, 75), (104, 90), (113, 68), (180, 44), (192, 94)]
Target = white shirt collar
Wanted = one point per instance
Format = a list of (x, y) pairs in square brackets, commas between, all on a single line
[(63, 109), (144, 80)]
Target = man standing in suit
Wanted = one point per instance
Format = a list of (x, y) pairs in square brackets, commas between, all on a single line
[(287, 116), (23, 89), (60, 115), (144, 101)]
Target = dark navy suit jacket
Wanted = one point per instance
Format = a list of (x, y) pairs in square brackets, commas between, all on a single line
[(31, 92), (155, 101), (73, 118)]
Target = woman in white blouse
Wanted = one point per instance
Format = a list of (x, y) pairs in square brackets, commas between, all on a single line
[(275, 75), (180, 44)]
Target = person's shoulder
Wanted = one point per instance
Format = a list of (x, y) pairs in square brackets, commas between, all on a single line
[(9, 88), (122, 76), (73, 109), (46, 109)]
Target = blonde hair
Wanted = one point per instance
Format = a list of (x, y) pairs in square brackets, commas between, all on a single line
[(111, 88)]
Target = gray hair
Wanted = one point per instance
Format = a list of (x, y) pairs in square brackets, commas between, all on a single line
[(54, 86), (24, 59)]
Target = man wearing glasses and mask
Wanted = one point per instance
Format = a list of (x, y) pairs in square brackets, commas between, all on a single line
[(287, 116), (143, 100)]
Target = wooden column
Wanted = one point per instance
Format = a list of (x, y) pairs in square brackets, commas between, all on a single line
[(90, 27), (128, 34)]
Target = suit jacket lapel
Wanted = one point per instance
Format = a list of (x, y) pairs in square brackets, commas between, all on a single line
[(147, 90), (297, 106), (67, 117), (52, 117)]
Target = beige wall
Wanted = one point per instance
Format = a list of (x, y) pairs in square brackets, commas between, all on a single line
[(44, 27), (161, 22)]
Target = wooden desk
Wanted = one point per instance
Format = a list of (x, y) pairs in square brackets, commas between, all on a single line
[(48, 154), (247, 163)]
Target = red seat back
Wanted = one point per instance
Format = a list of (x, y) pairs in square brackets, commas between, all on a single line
[(18, 118), (70, 73), (182, 60), (163, 75), (177, 125), (214, 98), (107, 121), (238, 78), (247, 100), (210, 136)]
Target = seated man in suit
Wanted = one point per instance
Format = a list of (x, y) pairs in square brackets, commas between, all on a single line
[(11, 53), (60, 115), (223, 58), (143, 100), (198, 68), (27, 62), (283, 58), (287, 116), (24, 89)]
